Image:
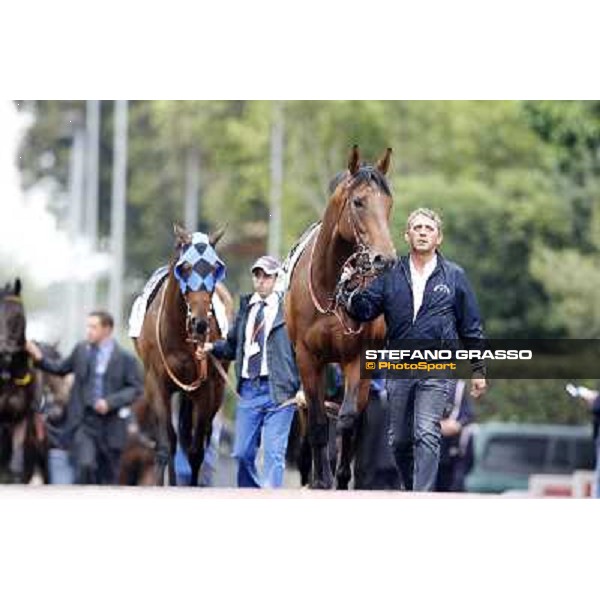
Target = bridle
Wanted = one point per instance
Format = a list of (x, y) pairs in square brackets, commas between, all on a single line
[(359, 261), (202, 364)]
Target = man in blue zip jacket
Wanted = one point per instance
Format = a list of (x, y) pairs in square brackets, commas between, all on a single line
[(423, 297), (267, 378)]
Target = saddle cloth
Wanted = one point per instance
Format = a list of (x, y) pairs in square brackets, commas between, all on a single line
[(287, 268), (141, 303)]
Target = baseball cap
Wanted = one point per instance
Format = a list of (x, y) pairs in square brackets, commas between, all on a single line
[(268, 264)]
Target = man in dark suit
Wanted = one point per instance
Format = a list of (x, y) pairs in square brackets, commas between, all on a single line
[(107, 380)]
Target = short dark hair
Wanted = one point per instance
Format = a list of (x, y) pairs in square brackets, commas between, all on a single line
[(106, 319)]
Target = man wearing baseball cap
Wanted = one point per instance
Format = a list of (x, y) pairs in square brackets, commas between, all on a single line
[(267, 378)]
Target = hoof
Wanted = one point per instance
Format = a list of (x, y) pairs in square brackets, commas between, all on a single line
[(342, 479), (342, 484), (319, 485)]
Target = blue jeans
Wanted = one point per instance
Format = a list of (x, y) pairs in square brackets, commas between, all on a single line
[(416, 407), (258, 418), (60, 469)]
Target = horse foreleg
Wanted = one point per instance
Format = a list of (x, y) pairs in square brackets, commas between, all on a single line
[(355, 395), (159, 401), (196, 458), (196, 451), (172, 445), (318, 425), (349, 409)]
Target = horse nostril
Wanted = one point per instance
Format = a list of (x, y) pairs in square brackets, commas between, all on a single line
[(378, 262), (200, 326), (381, 263)]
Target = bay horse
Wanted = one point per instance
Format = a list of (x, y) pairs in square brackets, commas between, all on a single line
[(354, 232), (22, 432), (178, 320)]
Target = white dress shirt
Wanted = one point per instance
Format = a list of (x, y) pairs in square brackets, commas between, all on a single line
[(271, 308), (419, 281)]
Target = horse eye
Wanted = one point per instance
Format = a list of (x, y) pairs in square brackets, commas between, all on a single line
[(358, 202)]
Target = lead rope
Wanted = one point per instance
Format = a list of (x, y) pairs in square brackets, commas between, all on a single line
[(331, 408), (201, 374)]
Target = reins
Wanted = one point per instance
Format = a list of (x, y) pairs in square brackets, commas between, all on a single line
[(201, 367), (331, 408)]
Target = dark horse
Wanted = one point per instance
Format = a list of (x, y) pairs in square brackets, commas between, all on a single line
[(138, 459), (22, 434), (177, 323), (354, 232)]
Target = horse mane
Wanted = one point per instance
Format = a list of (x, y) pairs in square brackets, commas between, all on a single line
[(370, 174), (365, 174)]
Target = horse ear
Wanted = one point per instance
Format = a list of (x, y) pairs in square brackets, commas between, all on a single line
[(182, 236), (354, 160), (17, 287), (383, 164), (214, 238)]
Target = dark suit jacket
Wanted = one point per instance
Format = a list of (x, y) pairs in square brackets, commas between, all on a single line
[(122, 385)]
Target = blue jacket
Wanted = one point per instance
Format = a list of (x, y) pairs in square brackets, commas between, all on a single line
[(284, 380), (449, 310)]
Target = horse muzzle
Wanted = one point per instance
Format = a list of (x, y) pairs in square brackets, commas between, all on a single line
[(382, 263), (198, 326)]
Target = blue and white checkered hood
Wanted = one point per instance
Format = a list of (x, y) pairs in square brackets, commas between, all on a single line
[(207, 268)]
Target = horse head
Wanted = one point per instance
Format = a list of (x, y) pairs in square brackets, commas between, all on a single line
[(12, 319), (363, 196), (197, 269)]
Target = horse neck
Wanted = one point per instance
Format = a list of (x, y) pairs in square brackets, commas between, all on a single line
[(331, 251), (173, 319)]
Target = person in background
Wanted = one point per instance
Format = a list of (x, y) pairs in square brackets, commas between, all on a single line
[(592, 399), (106, 381), (456, 456)]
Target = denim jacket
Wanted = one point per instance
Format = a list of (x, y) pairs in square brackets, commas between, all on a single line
[(284, 380)]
